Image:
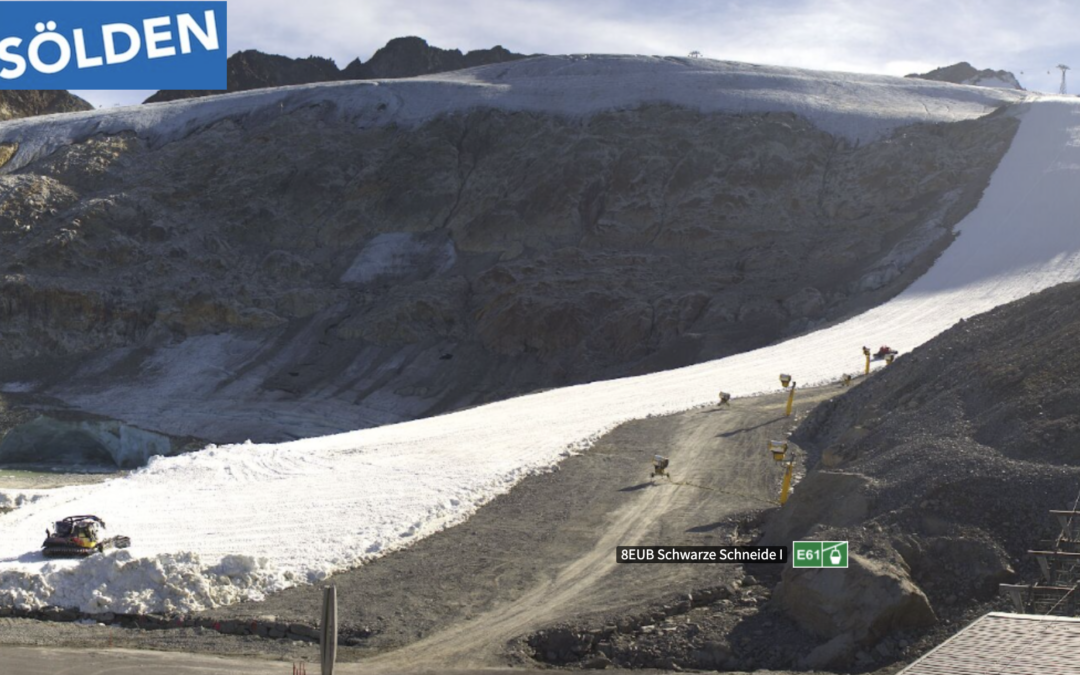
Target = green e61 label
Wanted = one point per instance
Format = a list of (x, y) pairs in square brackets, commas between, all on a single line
[(819, 554)]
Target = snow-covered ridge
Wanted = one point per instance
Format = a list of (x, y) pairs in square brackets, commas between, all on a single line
[(857, 107), (235, 522)]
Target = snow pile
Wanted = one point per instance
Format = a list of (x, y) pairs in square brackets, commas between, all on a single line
[(296, 512), (180, 581), (857, 107), (232, 523)]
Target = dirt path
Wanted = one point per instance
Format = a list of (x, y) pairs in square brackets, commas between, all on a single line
[(544, 553), (724, 450)]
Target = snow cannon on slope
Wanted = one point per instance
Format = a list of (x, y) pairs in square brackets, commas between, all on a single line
[(78, 537), (660, 465)]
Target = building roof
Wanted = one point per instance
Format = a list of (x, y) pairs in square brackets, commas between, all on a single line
[(1007, 644)]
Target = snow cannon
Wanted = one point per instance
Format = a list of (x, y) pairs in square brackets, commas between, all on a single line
[(660, 465), (889, 358), (785, 380), (725, 398), (846, 382), (779, 450)]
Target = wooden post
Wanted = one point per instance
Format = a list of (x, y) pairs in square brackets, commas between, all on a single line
[(328, 628)]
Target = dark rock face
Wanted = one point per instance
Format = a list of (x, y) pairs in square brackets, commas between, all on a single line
[(965, 73), (254, 70), (412, 56), (302, 254), (16, 104), (945, 464), (401, 57)]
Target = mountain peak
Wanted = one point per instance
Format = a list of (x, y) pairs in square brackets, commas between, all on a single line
[(401, 57), (965, 73), (15, 104), (412, 56)]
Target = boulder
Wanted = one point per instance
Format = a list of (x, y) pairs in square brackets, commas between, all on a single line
[(867, 600), (836, 653)]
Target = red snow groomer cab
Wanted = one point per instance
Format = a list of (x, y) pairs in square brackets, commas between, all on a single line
[(884, 351)]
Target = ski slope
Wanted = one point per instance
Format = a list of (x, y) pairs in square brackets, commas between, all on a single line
[(232, 523), (854, 106)]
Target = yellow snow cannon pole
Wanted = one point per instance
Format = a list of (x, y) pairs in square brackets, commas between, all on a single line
[(785, 488), (789, 384), (866, 353)]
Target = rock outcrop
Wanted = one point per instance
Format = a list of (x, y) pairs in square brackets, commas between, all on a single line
[(965, 73), (945, 464), (412, 56), (16, 104), (253, 69), (299, 274), (401, 57)]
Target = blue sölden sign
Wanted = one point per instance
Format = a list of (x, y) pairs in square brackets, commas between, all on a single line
[(113, 45)]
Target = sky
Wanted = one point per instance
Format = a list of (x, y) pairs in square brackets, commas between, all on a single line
[(891, 38)]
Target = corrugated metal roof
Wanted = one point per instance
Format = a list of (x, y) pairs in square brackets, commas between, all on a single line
[(1007, 644)]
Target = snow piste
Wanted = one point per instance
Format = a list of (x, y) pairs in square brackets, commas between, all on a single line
[(229, 523)]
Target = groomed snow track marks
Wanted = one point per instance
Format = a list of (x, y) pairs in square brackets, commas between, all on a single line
[(236, 522)]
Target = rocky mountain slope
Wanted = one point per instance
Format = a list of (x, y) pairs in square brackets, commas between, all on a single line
[(965, 73), (478, 257), (401, 57), (294, 271), (941, 470), (16, 104)]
